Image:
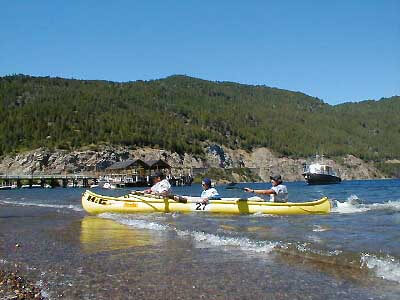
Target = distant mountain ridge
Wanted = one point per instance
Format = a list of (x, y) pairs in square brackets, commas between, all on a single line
[(184, 114)]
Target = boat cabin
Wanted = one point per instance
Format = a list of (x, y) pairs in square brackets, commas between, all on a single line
[(319, 169)]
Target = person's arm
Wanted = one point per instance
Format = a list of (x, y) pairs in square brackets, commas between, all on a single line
[(164, 193), (137, 192), (261, 192), (212, 195), (205, 196)]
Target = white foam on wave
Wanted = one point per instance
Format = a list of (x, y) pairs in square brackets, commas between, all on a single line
[(348, 208), (245, 244), (354, 205), (137, 223), (201, 238), (386, 268), (208, 240), (59, 206), (319, 228), (314, 238), (306, 248), (392, 205), (263, 215)]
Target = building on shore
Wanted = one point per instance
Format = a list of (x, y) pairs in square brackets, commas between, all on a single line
[(137, 172)]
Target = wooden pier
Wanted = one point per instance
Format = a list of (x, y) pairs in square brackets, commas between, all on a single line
[(31, 181)]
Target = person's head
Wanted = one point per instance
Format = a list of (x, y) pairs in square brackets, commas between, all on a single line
[(158, 176), (276, 179), (206, 183)]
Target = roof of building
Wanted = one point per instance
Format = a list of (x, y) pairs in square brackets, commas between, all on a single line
[(151, 164), (127, 163), (158, 164)]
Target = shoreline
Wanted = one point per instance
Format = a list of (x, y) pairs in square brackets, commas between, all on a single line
[(54, 248), (227, 164), (15, 286)]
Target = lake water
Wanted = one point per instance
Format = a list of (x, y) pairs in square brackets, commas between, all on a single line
[(352, 253)]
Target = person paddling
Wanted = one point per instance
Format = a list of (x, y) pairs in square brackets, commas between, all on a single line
[(161, 185), (278, 192), (208, 193)]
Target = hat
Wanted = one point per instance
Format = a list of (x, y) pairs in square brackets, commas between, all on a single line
[(207, 181), (276, 177), (159, 174)]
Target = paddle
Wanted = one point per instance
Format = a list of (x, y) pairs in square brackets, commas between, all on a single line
[(176, 198)]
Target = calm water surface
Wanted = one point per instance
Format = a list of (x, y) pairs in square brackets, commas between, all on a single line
[(352, 253)]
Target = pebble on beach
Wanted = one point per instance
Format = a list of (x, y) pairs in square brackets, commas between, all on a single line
[(14, 286)]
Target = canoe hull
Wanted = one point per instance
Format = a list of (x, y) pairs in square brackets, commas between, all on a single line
[(313, 178), (97, 204)]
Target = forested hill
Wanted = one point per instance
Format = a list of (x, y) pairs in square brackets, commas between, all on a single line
[(182, 114)]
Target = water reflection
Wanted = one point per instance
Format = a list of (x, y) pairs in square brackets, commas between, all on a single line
[(98, 234)]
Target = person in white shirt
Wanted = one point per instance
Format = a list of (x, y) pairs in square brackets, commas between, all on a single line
[(277, 193), (208, 193), (161, 185)]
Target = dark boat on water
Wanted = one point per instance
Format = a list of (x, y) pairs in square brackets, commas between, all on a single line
[(318, 172)]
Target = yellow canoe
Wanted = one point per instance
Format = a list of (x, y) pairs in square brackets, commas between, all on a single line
[(140, 203)]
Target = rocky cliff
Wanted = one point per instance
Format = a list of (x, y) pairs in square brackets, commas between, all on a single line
[(261, 160)]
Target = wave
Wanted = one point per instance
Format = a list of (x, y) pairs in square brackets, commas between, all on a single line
[(387, 267), (245, 244), (58, 206), (201, 238), (137, 223), (354, 205), (223, 241)]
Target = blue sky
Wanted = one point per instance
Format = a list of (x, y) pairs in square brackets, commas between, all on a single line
[(338, 51)]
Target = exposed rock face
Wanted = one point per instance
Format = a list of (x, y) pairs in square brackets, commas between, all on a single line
[(262, 160), (355, 168), (216, 156)]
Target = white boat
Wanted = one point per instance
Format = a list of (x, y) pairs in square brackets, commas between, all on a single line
[(110, 186), (5, 187), (319, 172), (31, 186)]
